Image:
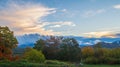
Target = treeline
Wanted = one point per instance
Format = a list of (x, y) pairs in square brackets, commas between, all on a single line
[(98, 55), (59, 48), (67, 49)]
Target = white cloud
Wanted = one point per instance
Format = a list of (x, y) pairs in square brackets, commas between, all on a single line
[(97, 41), (26, 18), (55, 26), (90, 13), (60, 24), (88, 43), (116, 6)]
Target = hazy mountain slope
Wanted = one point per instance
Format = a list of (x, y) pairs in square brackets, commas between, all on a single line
[(30, 39)]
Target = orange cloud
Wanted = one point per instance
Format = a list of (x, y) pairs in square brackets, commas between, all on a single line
[(27, 18), (100, 34)]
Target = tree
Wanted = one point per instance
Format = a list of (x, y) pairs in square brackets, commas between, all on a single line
[(115, 53), (7, 42), (33, 55), (87, 52), (70, 50), (52, 47), (7, 38), (49, 47), (39, 45), (98, 45)]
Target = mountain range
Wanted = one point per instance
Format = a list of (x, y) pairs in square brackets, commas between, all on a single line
[(28, 40)]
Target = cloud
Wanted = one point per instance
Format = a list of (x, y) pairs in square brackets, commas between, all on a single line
[(27, 18), (97, 41), (101, 34), (60, 24), (116, 6), (88, 43), (55, 26), (90, 13), (105, 32)]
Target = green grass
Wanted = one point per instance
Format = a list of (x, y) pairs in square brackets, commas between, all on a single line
[(28, 64), (48, 63), (101, 65)]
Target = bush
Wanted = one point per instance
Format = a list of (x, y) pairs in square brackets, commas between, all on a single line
[(51, 62), (113, 61), (55, 63), (102, 56), (91, 60), (5, 60), (34, 56), (22, 60)]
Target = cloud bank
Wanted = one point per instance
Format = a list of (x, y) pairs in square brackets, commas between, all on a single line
[(101, 34)]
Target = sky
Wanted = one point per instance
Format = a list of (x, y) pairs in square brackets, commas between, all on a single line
[(88, 18)]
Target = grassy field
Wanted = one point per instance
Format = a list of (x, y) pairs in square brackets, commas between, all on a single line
[(48, 63), (101, 66)]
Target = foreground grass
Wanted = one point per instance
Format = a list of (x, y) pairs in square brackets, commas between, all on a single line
[(28, 64), (101, 65), (49, 64)]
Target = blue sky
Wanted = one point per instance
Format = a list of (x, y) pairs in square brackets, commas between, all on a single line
[(91, 18)]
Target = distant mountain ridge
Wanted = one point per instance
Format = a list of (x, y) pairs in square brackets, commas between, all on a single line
[(108, 45), (28, 40)]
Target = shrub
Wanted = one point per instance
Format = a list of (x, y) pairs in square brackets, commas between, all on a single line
[(33, 55), (113, 61), (55, 62), (22, 60), (91, 60), (51, 62)]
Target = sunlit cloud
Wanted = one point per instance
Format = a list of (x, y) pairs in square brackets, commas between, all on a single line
[(101, 34), (116, 6), (105, 32), (26, 18)]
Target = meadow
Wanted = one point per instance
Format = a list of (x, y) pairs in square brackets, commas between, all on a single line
[(27, 64)]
